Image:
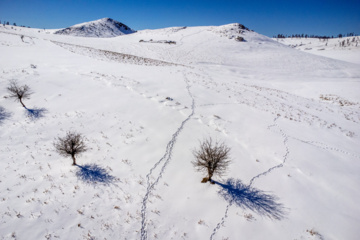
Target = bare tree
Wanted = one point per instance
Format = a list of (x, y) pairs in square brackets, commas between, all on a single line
[(212, 158), (19, 92), (70, 145)]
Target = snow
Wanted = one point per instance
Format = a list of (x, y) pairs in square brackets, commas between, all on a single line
[(291, 119), (345, 49), (103, 28)]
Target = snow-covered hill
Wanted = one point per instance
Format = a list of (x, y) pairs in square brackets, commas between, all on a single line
[(290, 118), (346, 48), (102, 28)]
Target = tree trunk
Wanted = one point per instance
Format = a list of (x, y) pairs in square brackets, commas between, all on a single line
[(210, 176), (22, 103), (74, 160)]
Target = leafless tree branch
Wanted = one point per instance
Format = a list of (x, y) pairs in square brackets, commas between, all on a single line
[(71, 145), (19, 92), (212, 158)]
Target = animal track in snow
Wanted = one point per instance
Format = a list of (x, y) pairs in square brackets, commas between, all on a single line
[(164, 160), (327, 147), (222, 222), (287, 152), (285, 157), (290, 106)]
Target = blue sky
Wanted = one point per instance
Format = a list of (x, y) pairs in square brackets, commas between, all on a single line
[(322, 17)]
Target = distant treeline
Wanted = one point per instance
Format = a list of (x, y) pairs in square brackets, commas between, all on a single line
[(14, 24), (313, 36)]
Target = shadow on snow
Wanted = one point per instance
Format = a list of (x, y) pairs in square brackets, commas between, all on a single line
[(4, 114), (94, 174), (35, 113), (235, 192)]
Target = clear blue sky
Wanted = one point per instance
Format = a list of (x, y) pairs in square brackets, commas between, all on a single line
[(322, 17)]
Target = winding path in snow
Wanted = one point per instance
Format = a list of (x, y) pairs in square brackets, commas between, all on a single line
[(218, 226), (326, 147), (285, 157), (164, 160), (286, 138)]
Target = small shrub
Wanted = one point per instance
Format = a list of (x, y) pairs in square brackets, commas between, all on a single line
[(240, 39), (71, 145), (19, 92), (212, 158)]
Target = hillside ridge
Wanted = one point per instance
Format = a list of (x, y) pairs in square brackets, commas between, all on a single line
[(102, 28)]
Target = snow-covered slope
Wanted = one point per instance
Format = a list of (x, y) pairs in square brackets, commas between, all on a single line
[(346, 48), (290, 118), (102, 28)]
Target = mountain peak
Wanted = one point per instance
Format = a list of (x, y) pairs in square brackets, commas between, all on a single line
[(102, 28)]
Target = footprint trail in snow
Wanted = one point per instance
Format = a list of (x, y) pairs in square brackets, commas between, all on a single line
[(285, 157), (164, 160)]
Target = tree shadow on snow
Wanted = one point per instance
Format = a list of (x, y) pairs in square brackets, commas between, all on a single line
[(4, 115), (94, 174), (235, 192), (35, 113)]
